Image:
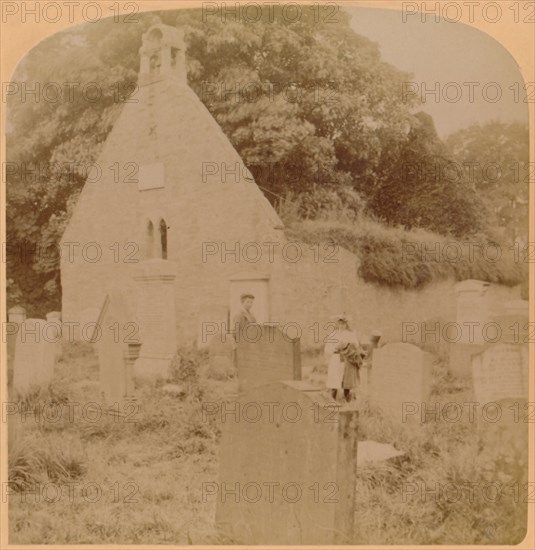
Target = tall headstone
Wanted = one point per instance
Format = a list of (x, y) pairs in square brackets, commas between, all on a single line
[(34, 357), (473, 316), (290, 455), (265, 354), (114, 352), (401, 373), (156, 316), (500, 382), (472, 310)]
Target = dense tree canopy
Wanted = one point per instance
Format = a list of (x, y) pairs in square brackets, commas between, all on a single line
[(310, 106), (495, 159)]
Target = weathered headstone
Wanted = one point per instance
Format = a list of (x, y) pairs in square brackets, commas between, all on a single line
[(290, 455), (500, 382), (156, 316), (472, 310), (114, 351), (501, 372), (265, 354), (401, 373), (34, 357), (16, 314)]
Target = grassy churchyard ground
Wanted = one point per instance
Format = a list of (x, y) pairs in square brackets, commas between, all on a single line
[(79, 479)]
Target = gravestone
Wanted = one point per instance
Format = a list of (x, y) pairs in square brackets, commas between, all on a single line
[(401, 373), (156, 316), (501, 372), (472, 307), (54, 317), (34, 357), (114, 351), (16, 314), (291, 454), (500, 382), (265, 354), (472, 317)]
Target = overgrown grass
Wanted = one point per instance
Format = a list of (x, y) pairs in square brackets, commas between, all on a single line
[(159, 461), (399, 258)]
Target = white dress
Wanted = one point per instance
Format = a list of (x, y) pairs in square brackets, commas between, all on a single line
[(335, 371)]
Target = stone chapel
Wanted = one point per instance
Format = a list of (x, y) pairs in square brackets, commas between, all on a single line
[(185, 198)]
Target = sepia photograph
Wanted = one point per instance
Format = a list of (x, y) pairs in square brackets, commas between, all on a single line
[(267, 271)]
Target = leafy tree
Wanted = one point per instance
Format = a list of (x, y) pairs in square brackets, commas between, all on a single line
[(495, 159), (418, 188), (317, 113)]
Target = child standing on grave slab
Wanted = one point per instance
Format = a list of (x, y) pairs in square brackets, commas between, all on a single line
[(345, 340)]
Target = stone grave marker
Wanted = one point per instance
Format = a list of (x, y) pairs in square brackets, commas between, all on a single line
[(156, 316), (472, 307), (116, 347), (401, 373), (16, 314), (500, 382), (264, 354), (291, 456), (34, 357), (500, 372)]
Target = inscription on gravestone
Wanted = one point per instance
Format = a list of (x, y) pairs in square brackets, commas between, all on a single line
[(264, 354), (501, 372), (294, 469), (401, 373)]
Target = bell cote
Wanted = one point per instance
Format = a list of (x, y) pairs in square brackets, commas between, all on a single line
[(162, 55)]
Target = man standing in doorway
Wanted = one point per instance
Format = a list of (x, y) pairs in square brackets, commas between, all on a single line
[(244, 317)]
